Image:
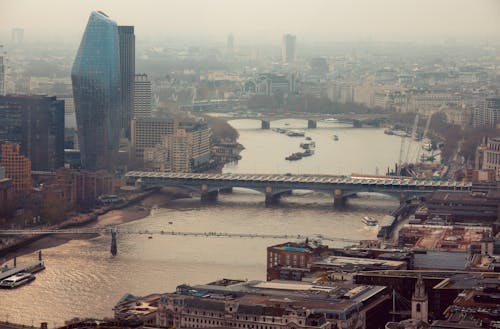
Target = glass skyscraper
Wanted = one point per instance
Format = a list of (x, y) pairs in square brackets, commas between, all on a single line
[(96, 91)]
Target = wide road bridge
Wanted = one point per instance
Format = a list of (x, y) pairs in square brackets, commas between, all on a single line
[(275, 185), (311, 118)]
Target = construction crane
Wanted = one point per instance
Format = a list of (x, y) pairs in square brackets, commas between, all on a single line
[(424, 136), (405, 146), (413, 136)]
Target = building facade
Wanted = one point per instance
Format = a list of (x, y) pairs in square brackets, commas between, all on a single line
[(189, 147), (488, 114), (96, 89), (143, 96), (6, 194), (80, 189), (127, 72), (491, 155), (148, 132), (17, 167), (37, 124)]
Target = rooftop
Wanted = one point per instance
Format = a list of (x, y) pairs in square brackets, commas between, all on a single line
[(333, 296)]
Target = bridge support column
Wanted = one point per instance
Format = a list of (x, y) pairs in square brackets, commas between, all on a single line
[(271, 198), (311, 124), (209, 196), (206, 195), (403, 197), (265, 124), (339, 200)]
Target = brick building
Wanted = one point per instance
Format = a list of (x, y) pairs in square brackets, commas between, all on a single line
[(17, 167), (80, 189), (291, 260)]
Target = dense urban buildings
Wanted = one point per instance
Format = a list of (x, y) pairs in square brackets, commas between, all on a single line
[(127, 73), (143, 97), (37, 124), (96, 89)]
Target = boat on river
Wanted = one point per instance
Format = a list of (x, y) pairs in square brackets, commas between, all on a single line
[(295, 133), (369, 221), (308, 145), (17, 280), (294, 156)]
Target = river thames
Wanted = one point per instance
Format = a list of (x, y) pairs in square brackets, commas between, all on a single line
[(83, 280)]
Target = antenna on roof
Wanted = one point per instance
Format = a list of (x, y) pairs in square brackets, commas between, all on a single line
[(102, 13)]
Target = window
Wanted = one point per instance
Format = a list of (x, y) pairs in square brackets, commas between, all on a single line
[(418, 308)]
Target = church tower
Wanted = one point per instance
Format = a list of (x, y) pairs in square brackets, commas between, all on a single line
[(419, 301)]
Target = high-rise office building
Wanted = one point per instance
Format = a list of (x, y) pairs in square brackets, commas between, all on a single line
[(96, 91), (288, 48), (127, 71), (230, 44), (37, 124), (143, 96), (2, 72), (17, 36)]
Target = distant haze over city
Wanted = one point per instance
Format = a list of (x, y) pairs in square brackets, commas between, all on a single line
[(262, 21)]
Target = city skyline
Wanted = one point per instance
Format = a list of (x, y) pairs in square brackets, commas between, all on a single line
[(319, 20)]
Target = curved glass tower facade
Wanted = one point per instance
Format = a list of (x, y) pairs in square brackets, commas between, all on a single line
[(96, 91)]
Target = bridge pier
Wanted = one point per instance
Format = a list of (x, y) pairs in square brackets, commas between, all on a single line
[(339, 200), (265, 124), (114, 245), (271, 198), (403, 197), (209, 196), (311, 124), (206, 195)]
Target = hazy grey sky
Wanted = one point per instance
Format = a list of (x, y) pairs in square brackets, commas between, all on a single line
[(263, 19)]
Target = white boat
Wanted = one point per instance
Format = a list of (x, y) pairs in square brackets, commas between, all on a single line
[(17, 280), (330, 120), (369, 221)]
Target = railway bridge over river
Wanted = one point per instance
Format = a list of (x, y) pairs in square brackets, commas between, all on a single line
[(275, 185)]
